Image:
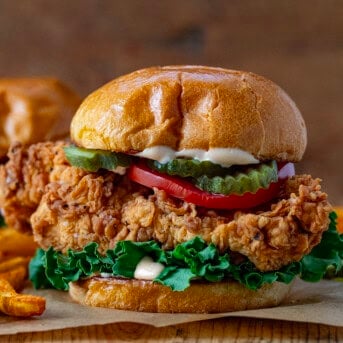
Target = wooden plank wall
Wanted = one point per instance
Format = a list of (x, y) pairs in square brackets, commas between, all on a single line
[(298, 44)]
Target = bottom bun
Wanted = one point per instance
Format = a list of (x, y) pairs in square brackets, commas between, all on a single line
[(200, 297)]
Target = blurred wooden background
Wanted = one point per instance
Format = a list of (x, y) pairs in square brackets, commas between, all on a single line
[(297, 44)]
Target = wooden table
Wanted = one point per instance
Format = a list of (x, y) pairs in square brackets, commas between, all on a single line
[(228, 329)]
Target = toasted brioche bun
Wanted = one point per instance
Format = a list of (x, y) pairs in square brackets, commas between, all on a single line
[(191, 107), (34, 109), (146, 296)]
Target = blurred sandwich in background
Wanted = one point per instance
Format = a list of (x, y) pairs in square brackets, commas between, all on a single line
[(31, 110), (34, 110)]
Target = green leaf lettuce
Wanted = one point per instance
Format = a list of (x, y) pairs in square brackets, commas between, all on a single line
[(2, 221), (190, 260)]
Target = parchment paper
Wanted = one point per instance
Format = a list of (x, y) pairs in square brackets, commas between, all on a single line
[(313, 303)]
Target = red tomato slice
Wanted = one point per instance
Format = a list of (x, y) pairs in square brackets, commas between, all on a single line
[(184, 190)]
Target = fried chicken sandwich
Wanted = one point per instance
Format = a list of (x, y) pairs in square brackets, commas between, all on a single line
[(178, 195)]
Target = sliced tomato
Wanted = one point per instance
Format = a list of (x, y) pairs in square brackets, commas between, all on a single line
[(184, 190)]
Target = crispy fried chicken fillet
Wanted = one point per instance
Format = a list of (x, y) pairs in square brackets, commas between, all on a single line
[(69, 207), (24, 177), (80, 207)]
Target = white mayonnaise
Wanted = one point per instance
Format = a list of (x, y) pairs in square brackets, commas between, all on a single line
[(120, 170), (147, 269), (226, 157), (106, 275)]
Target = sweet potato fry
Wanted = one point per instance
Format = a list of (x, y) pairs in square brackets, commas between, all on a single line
[(13, 262), (339, 211), (13, 243), (19, 305), (16, 277)]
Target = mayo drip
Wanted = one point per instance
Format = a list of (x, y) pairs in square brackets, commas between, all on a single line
[(226, 157), (147, 269)]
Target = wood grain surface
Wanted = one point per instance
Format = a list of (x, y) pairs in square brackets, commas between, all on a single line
[(297, 44), (230, 330)]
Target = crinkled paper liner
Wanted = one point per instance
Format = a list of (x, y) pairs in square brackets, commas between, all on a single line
[(312, 303)]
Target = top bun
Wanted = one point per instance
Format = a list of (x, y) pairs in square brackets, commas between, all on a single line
[(34, 109), (191, 107)]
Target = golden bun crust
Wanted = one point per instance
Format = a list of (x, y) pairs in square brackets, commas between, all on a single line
[(146, 296), (34, 109), (191, 107)]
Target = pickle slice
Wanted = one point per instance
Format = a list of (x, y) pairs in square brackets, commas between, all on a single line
[(249, 180), (214, 178), (189, 168), (92, 160)]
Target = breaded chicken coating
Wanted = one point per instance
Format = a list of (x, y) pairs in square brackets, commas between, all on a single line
[(24, 177), (69, 207), (83, 207)]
